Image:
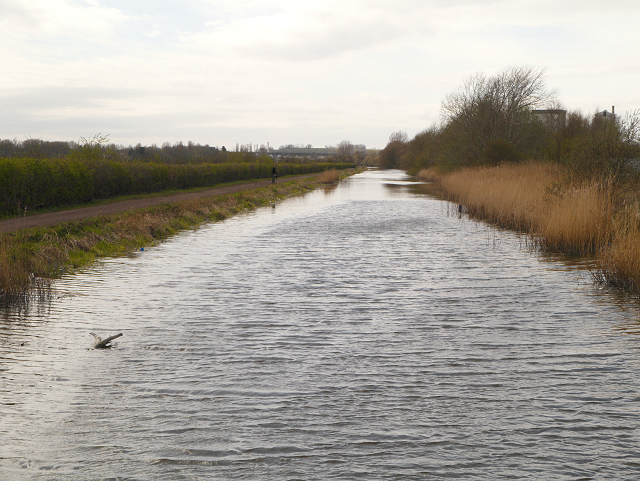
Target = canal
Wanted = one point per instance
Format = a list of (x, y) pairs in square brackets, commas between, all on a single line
[(363, 331)]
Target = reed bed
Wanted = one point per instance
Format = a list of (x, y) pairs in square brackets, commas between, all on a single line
[(593, 218), (578, 220), (510, 196), (329, 177), (619, 262), (574, 219)]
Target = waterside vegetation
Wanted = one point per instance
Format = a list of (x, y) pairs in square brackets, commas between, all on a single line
[(93, 173), (507, 150), (595, 219), (30, 259)]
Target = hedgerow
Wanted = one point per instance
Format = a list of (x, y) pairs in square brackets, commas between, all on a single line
[(38, 184)]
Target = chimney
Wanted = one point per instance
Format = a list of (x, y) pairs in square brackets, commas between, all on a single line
[(613, 109)]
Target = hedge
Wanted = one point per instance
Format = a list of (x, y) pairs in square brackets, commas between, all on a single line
[(37, 184)]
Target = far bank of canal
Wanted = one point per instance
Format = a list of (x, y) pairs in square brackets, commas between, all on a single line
[(36, 248)]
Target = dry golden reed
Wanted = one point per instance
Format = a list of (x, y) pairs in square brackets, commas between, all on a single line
[(329, 177), (589, 218), (508, 195), (579, 220), (619, 262), (522, 197)]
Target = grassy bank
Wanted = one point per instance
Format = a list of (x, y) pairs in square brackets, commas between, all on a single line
[(29, 259), (592, 218), (43, 184)]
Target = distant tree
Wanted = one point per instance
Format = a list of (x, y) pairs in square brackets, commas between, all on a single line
[(603, 148), (345, 148), (137, 152), (495, 110), (8, 147), (91, 148), (33, 148), (389, 157), (422, 151), (399, 136)]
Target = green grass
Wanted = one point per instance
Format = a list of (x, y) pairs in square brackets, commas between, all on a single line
[(29, 259)]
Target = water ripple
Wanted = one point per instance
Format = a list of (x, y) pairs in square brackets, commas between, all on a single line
[(363, 333)]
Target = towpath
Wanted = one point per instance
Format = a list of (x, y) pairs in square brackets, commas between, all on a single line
[(70, 215)]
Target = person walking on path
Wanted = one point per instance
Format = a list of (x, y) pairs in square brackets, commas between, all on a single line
[(47, 219), (274, 174)]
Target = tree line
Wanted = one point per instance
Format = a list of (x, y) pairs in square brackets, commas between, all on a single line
[(57, 175), (514, 117), (36, 184), (176, 153)]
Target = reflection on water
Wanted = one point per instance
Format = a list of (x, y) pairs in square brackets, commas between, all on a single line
[(359, 332)]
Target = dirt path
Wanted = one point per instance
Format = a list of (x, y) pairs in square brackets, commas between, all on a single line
[(54, 218)]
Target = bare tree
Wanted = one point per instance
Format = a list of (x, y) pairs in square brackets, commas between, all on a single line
[(498, 109), (399, 136), (345, 148)]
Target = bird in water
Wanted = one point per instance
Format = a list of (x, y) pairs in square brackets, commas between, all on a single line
[(104, 344)]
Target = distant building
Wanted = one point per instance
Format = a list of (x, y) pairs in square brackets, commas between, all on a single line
[(608, 115), (313, 152)]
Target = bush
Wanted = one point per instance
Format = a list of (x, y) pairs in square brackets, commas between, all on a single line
[(499, 151), (51, 183), (491, 120)]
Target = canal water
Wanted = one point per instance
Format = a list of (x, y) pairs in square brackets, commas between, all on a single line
[(365, 331)]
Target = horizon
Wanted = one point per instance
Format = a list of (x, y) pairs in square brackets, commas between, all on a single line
[(237, 148), (282, 72)]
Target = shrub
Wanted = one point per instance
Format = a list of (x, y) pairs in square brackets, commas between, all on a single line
[(52, 183)]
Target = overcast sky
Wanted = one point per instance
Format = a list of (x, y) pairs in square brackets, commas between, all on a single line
[(222, 72)]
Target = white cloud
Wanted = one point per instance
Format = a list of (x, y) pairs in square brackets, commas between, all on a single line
[(57, 17), (296, 35), (292, 72), (154, 33)]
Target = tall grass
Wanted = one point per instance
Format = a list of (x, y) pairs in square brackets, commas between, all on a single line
[(526, 197), (329, 177), (21, 274), (578, 220), (31, 258), (508, 195), (619, 263), (591, 218)]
